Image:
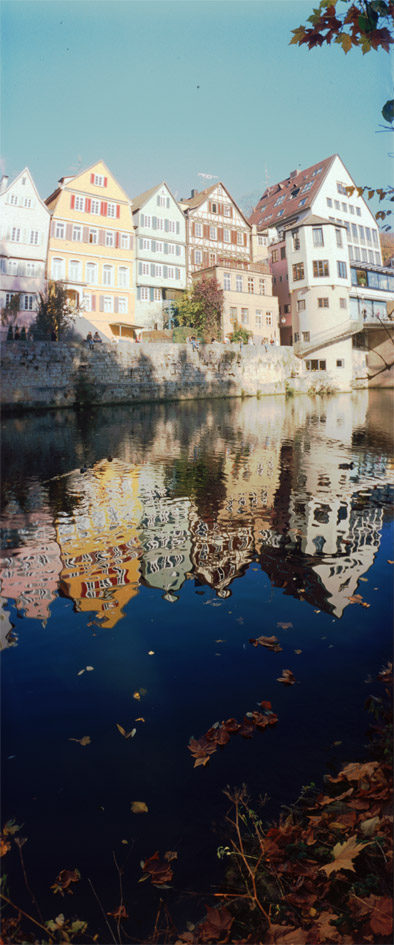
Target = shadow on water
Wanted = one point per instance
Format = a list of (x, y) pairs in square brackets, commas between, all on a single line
[(193, 528)]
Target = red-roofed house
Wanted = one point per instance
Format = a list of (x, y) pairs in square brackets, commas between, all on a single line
[(217, 231)]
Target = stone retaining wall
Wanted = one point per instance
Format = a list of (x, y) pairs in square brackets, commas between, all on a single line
[(42, 374)]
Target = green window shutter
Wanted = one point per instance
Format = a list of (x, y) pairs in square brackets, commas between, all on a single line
[(153, 245), (151, 294), (154, 223), (166, 247)]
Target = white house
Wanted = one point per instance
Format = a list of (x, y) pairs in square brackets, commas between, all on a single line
[(160, 254), (24, 228)]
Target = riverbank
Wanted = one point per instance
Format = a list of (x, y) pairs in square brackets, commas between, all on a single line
[(41, 375)]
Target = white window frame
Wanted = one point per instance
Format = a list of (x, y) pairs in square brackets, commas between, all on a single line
[(268, 318), (124, 241), (227, 281), (77, 233), (198, 229), (197, 257), (122, 305), (240, 238), (99, 180), (60, 230), (79, 203), (57, 268), (91, 269), (108, 274), (95, 207), (111, 210), (213, 233), (16, 234), (109, 238), (93, 236), (108, 303), (123, 277), (144, 293), (75, 265), (239, 281)]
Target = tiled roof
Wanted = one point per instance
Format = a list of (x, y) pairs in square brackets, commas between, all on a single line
[(193, 202), (281, 201), (139, 201)]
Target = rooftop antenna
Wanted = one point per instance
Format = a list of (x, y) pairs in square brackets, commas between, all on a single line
[(75, 167), (207, 176)]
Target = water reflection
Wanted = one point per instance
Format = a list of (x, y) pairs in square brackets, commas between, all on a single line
[(194, 492)]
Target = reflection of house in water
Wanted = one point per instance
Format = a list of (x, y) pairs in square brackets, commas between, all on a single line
[(99, 542), (7, 635), (30, 571), (163, 534)]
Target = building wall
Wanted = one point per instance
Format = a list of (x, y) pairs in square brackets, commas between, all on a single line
[(280, 288), (160, 256), (353, 211), (24, 226), (248, 301), (104, 239), (205, 248), (308, 314)]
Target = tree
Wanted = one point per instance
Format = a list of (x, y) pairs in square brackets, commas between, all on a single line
[(202, 307), (239, 333), (10, 311), (359, 23), (54, 311)]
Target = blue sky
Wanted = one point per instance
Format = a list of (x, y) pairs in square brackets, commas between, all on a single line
[(165, 90)]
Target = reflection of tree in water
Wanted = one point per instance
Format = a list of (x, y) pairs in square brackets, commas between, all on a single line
[(203, 481)]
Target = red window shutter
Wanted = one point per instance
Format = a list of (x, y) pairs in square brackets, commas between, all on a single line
[(231, 211), (117, 240), (206, 232), (103, 209), (234, 236), (221, 209), (105, 181), (209, 206), (220, 234), (92, 182), (245, 240), (93, 302), (53, 228), (87, 205), (193, 229), (205, 259), (72, 201), (117, 211), (85, 234)]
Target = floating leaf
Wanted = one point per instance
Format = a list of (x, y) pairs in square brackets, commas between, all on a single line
[(272, 643), (124, 733), (140, 719), (64, 879), (170, 855), (284, 626), (119, 913), (287, 677), (139, 807), (89, 668), (159, 871), (298, 652), (85, 740), (136, 695), (80, 672), (124, 841)]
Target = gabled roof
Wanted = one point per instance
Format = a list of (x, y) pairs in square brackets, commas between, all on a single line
[(13, 182), (64, 181), (290, 190), (313, 220), (193, 202), (139, 201)]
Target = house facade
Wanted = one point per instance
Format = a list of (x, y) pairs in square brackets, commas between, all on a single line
[(24, 228), (217, 231), (91, 250), (248, 301), (160, 255)]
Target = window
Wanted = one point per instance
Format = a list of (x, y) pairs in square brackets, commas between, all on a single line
[(59, 231), (212, 233), (158, 270), (15, 234), (227, 281), (262, 240), (341, 189), (320, 268), (296, 336), (296, 240), (338, 237), (240, 239), (108, 275), (74, 270), (342, 269), (87, 303), (329, 201), (268, 318), (95, 206), (144, 244), (170, 249), (170, 223), (161, 201), (93, 236), (239, 283), (233, 313), (259, 318), (14, 200), (298, 271), (27, 202), (368, 234), (283, 252), (340, 362), (351, 208), (144, 293), (274, 255), (342, 303), (122, 305), (159, 246), (111, 209), (31, 269), (355, 231), (109, 238), (77, 234), (245, 316), (344, 207), (91, 273), (301, 305), (377, 259), (323, 303), (12, 267), (226, 236), (317, 235), (28, 301), (124, 241), (197, 256), (79, 203), (364, 254), (99, 180), (157, 295), (144, 269), (198, 229), (123, 277), (358, 211), (250, 284), (370, 256), (375, 237), (337, 205), (315, 365), (170, 272), (306, 187), (262, 286), (279, 200), (306, 336), (108, 303), (226, 210), (9, 296), (214, 208), (57, 268)]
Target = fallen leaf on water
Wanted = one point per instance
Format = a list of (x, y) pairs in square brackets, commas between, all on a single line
[(170, 855), (317, 611), (143, 691), (85, 740), (124, 841), (272, 643), (124, 733), (151, 652), (136, 695), (220, 641), (89, 668), (363, 579), (119, 913), (389, 562), (287, 677), (344, 854), (140, 719), (64, 880), (298, 652), (80, 672), (139, 807), (284, 626), (160, 872)]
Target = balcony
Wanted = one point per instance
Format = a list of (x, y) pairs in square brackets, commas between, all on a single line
[(335, 333)]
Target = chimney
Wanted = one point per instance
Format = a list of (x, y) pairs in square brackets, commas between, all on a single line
[(193, 194), (3, 183), (293, 174)]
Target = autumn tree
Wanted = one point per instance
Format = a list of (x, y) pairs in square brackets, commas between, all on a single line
[(54, 311), (9, 312), (202, 307), (364, 25)]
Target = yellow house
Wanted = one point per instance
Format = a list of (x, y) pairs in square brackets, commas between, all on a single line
[(91, 249)]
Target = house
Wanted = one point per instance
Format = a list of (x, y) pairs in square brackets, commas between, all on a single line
[(248, 300), (24, 231), (91, 250), (217, 231), (160, 255)]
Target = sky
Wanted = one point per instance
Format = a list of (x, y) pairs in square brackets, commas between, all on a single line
[(170, 89)]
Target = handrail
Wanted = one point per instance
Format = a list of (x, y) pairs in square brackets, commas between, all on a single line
[(335, 333)]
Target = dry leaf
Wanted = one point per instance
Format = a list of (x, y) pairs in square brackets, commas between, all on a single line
[(368, 826), (140, 719), (139, 807), (344, 854), (124, 733), (80, 672), (85, 740), (170, 855), (287, 677), (151, 652), (298, 652), (89, 668), (136, 695)]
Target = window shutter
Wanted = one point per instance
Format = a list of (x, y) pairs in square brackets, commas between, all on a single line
[(209, 206), (117, 211), (116, 304), (72, 202), (168, 203), (105, 181), (178, 250), (234, 236), (193, 229), (166, 247), (103, 208), (131, 238), (154, 223), (140, 244), (220, 208), (102, 237), (166, 225), (140, 268), (152, 269), (151, 294), (206, 231), (101, 297), (153, 246), (138, 292), (93, 302), (85, 234), (92, 178), (141, 219), (177, 273), (231, 211), (165, 272), (69, 231), (220, 234), (177, 227), (87, 205), (53, 227), (158, 200), (205, 259), (245, 240)]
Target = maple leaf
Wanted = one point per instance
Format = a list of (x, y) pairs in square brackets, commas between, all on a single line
[(328, 932), (345, 40), (216, 922), (381, 919), (287, 677), (4, 847), (344, 854), (159, 871), (232, 726), (139, 807), (272, 643), (201, 750), (64, 880)]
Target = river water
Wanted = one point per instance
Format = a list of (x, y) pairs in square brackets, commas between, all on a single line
[(150, 544)]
